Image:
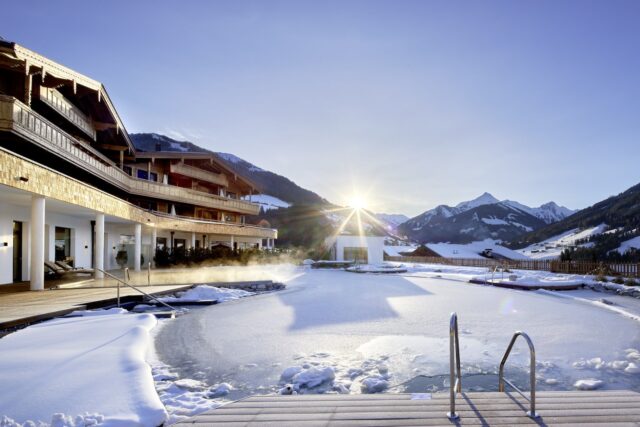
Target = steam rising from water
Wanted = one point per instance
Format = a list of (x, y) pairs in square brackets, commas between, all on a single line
[(212, 274)]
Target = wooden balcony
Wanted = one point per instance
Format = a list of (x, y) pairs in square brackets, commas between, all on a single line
[(16, 117), (197, 173), (65, 108)]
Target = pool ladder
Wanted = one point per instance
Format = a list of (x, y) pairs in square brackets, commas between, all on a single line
[(455, 375)]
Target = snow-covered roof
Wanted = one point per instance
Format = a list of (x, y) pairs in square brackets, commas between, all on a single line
[(473, 250)]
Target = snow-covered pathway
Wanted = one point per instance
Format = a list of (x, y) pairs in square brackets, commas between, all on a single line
[(391, 328)]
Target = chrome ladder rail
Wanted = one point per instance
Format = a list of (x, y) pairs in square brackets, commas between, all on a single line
[(531, 413), (455, 385), (127, 277), (149, 274)]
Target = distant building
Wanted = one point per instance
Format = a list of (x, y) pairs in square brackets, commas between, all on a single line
[(73, 187), (360, 248)]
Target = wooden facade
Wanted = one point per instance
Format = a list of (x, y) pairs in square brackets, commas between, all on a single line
[(66, 121)]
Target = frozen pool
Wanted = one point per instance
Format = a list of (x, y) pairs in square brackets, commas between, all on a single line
[(393, 328)]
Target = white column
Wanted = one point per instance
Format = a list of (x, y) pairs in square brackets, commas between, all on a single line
[(50, 242), (137, 248), (154, 245), (37, 243), (232, 240), (99, 248), (193, 240), (259, 243)]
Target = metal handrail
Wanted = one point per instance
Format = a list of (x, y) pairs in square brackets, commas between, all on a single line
[(455, 386), (128, 277), (532, 372)]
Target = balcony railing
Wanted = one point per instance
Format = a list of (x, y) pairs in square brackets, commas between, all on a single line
[(17, 117), (210, 221), (197, 173), (59, 103)]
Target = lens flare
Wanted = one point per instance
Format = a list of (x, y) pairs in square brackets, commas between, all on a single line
[(357, 203)]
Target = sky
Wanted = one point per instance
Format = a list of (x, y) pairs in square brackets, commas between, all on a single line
[(408, 104)]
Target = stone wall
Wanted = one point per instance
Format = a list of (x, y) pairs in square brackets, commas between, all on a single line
[(46, 182)]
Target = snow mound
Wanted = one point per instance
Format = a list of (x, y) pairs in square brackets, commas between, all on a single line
[(375, 384), (206, 292), (183, 398), (588, 384), (45, 365), (220, 390), (313, 377)]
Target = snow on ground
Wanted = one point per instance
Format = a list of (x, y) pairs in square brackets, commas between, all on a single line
[(553, 247), (91, 368), (329, 332), (629, 244), (473, 250), (207, 293), (268, 202), (338, 332)]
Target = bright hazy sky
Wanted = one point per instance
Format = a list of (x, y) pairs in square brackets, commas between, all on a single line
[(415, 103)]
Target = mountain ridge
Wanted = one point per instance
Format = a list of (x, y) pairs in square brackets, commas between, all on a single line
[(489, 218), (269, 183)]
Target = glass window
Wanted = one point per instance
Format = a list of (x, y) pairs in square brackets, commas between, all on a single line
[(63, 243), (154, 176), (127, 170), (142, 174)]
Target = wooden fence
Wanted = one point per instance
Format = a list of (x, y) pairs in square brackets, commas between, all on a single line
[(555, 266)]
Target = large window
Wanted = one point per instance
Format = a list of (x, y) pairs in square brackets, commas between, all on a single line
[(356, 254), (142, 174), (63, 244)]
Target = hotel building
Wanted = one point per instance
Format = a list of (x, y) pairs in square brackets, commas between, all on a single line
[(74, 188)]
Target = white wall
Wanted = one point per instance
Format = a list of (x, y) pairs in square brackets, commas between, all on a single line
[(374, 245), (80, 238)]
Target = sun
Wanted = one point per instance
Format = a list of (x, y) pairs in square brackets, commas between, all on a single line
[(357, 202)]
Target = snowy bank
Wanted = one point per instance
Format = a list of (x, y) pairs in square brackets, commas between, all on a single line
[(82, 365), (207, 293)]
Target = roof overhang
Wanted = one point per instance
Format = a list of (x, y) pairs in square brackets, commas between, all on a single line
[(32, 63), (182, 155)]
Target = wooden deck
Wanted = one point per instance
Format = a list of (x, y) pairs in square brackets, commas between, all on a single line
[(19, 307), (569, 408)]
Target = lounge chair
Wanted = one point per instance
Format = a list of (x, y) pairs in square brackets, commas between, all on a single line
[(70, 269), (59, 272)]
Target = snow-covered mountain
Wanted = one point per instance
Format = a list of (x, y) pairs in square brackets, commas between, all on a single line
[(549, 212), (393, 220), (267, 202), (481, 218), (483, 199)]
